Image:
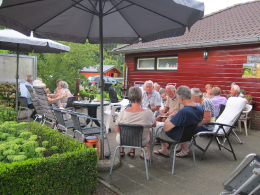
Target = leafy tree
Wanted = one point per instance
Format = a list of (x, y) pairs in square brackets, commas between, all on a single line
[(66, 66)]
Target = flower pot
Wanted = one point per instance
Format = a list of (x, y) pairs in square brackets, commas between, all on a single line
[(248, 99)]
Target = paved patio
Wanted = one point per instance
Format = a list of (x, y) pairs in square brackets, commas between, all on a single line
[(206, 178)]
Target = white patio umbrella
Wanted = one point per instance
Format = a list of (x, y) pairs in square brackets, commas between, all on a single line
[(101, 21), (15, 41)]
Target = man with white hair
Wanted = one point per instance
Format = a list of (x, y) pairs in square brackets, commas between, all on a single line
[(25, 92), (235, 91), (156, 87), (172, 104), (151, 96)]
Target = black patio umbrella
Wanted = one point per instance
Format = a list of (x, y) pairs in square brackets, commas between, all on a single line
[(101, 21), (15, 41)]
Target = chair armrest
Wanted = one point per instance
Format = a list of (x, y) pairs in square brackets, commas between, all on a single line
[(219, 124)]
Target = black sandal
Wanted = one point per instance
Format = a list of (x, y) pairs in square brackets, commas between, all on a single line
[(122, 154), (128, 154)]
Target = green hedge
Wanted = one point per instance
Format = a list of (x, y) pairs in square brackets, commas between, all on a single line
[(73, 171)]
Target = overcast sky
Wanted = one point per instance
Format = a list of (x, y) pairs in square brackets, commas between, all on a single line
[(216, 5)]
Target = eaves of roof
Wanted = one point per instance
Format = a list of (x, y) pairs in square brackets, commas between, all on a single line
[(251, 40)]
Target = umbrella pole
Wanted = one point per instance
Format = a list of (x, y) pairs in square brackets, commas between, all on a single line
[(101, 79), (17, 77)]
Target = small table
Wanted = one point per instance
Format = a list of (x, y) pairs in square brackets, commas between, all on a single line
[(92, 108)]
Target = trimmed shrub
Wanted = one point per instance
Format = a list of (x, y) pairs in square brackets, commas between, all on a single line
[(73, 170)]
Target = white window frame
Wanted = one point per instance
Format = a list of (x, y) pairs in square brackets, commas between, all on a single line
[(138, 63), (166, 68)]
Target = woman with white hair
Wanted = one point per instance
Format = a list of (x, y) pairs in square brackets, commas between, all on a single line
[(63, 87)]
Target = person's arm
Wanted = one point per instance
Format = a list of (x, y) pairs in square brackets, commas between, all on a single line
[(155, 108), (168, 125), (57, 99), (207, 117), (166, 108), (117, 128)]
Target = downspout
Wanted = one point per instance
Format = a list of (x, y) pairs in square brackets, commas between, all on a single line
[(126, 70)]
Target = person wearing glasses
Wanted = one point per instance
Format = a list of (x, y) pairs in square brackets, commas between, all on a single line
[(150, 96)]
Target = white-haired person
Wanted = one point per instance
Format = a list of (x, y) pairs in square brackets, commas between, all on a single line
[(150, 96), (156, 87), (190, 114), (138, 116), (25, 93), (172, 104), (64, 89), (209, 116), (235, 91)]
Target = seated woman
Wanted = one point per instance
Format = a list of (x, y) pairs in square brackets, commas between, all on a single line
[(208, 93), (63, 88), (136, 115), (217, 99)]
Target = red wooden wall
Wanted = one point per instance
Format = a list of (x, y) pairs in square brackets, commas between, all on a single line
[(223, 66)]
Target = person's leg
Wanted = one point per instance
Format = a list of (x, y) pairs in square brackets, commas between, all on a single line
[(163, 136)]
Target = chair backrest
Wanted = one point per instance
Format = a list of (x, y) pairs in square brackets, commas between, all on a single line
[(244, 176), (112, 95), (70, 101), (59, 116), (231, 113), (130, 134), (187, 133), (23, 101), (139, 83), (44, 102), (75, 119), (34, 100), (221, 109), (174, 84)]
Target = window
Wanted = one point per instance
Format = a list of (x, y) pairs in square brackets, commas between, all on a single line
[(145, 63), (167, 63), (158, 63)]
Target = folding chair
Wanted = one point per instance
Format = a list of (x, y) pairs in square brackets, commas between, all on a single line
[(91, 130), (247, 179), (70, 103), (220, 110), (23, 105), (113, 111), (48, 114), (245, 117), (224, 125), (174, 84), (131, 137), (35, 102), (61, 124), (186, 137)]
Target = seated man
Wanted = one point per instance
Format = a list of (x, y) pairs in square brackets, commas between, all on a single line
[(163, 95), (188, 115), (150, 96), (156, 87), (172, 104), (25, 92), (217, 99), (235, 91)]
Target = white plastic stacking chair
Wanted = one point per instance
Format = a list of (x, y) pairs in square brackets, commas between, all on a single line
[(112, 111), (245, 117)]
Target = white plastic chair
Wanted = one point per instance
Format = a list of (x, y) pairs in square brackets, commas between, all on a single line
[(111, 111), (174, 84), (244, 117)]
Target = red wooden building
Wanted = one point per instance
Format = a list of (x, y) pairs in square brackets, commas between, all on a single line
[(108, 70), (232, 39)]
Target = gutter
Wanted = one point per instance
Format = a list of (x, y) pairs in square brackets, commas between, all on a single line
[(126, 70), (193, 45)]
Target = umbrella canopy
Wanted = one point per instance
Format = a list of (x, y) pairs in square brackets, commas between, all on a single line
[(15, 41), (10, 38), (101, 21)]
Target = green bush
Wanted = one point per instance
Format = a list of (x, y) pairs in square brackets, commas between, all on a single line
[(72, 171), (7, 114)]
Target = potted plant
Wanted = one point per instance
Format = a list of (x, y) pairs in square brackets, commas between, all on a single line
[(248, 97)]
